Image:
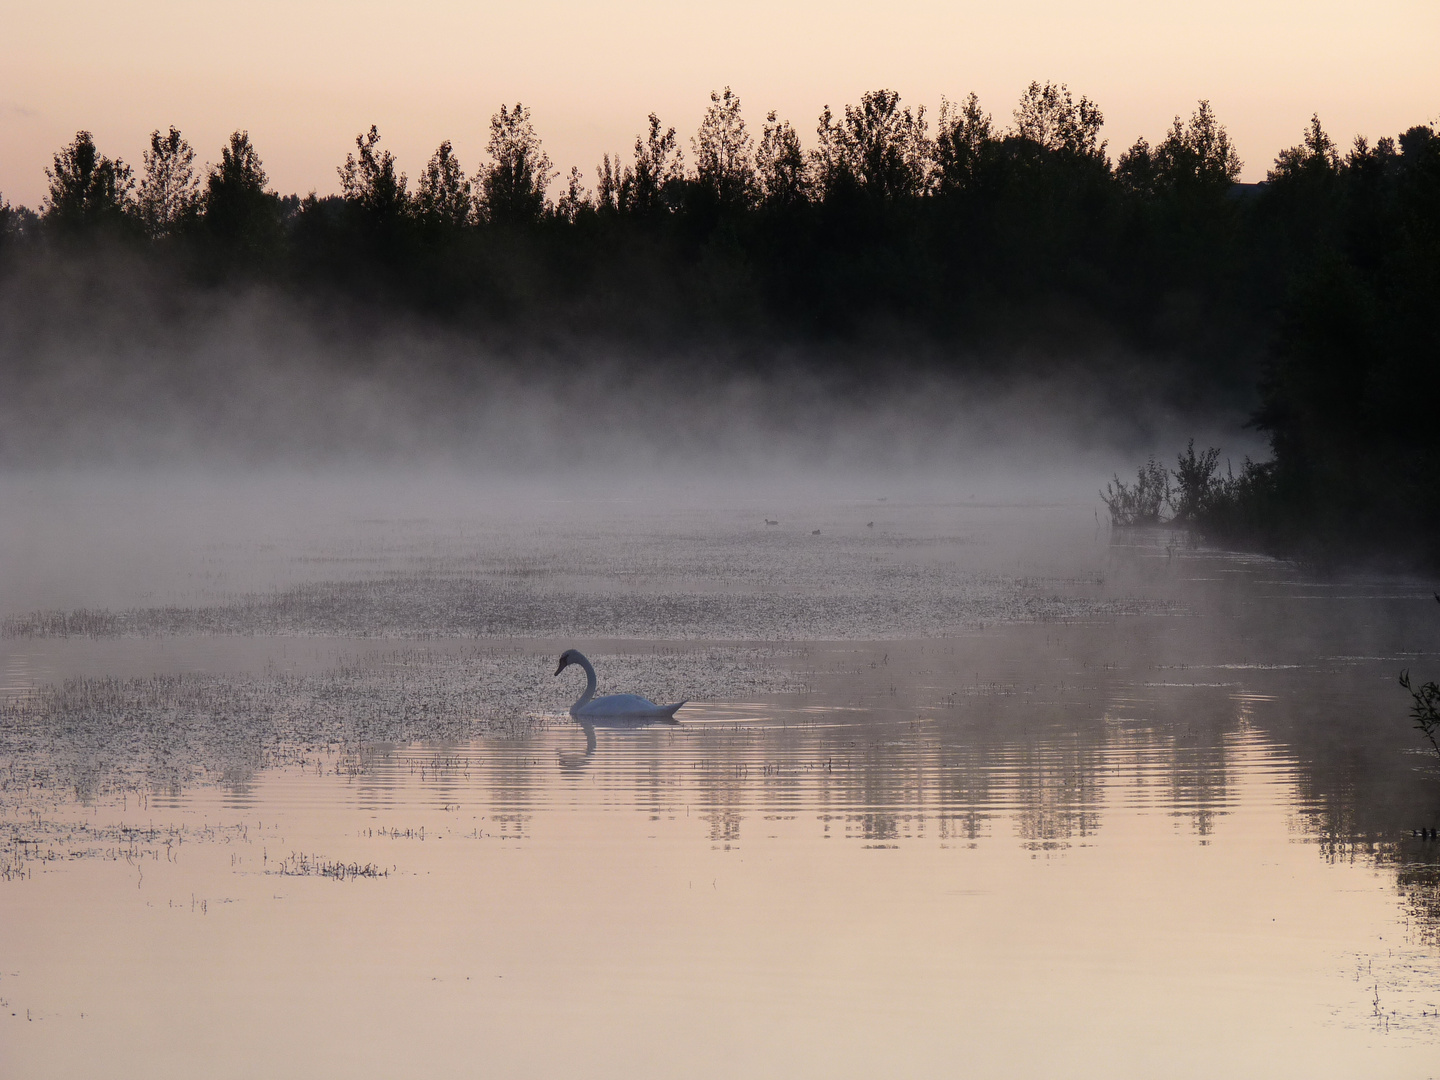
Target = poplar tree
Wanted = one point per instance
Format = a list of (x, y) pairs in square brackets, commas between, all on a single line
[(513, 185), (782, 172), (1050, 117), (964, 137), (659, 168), (610, 180), (1193, 157), (876, 146), (576, 199), (371, 182), (169, 194), (444, 199), (240, 213), (87, 190), (724, 152)]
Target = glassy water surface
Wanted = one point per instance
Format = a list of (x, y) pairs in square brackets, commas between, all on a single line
[(1160, 823)]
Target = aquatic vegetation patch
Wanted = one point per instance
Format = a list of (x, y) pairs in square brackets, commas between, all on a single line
[(86, 738), (894, 603), (32, 840), (302, 865)]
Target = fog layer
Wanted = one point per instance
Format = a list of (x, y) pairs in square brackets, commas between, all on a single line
[(111, 362)]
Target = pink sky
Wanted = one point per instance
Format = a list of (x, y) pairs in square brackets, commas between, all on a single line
[(305, 77)]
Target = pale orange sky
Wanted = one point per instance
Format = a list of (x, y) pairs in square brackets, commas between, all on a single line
[(304, 76)]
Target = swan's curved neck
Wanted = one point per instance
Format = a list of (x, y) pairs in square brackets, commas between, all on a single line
[(589, 682)]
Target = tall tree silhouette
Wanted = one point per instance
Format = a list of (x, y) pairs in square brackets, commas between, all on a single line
[(724, 153), (1315, 155), (877, 146), (15, 223), (168, 198), (1193, 157), (1050, 117), (444, 199), (87, 191), (575, 200), (610, 184), (241, 216), (652, 182), (782, 171), (371, 184), (513, 185), (964, 138)]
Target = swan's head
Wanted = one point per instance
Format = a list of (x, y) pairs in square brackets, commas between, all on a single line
[(568, 657)]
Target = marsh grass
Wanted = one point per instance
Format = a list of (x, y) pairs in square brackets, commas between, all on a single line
[(302, 865), (1139, 503), (86, 738), (36, 840), (91, 739), (1196, 483), (1425, 709), (1425, 706), (1199, 497)]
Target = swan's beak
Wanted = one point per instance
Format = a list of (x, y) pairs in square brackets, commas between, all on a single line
[(560, 668)]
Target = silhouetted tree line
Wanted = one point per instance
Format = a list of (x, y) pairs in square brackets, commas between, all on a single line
[(971, 245), (973, 233)]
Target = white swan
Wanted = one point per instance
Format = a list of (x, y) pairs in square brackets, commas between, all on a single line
[(613, 706)]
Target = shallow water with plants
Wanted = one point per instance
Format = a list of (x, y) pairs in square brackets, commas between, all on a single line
[(970, 783)]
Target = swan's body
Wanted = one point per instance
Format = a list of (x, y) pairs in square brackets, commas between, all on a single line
[(612, 706)]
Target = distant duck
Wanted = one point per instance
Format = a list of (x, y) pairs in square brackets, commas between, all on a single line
[(770, 522), (869, 524), (815, 532), (612, 706)]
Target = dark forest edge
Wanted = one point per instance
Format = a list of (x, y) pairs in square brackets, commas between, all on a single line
[(973, 249)]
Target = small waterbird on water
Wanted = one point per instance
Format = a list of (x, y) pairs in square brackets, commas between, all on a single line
[(612, 706)]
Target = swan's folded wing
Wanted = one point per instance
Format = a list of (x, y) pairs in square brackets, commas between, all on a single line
[(621, 705)]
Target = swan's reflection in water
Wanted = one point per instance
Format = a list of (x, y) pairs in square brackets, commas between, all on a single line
[(617, 727)]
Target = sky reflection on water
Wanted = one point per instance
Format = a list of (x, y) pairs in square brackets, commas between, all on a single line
[(1161, 885)]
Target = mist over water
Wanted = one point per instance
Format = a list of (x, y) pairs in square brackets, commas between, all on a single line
[(281, 594), (282, 748), (116, 364)]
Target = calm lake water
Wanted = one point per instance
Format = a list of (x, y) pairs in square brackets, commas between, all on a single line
[(1119, 807)]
